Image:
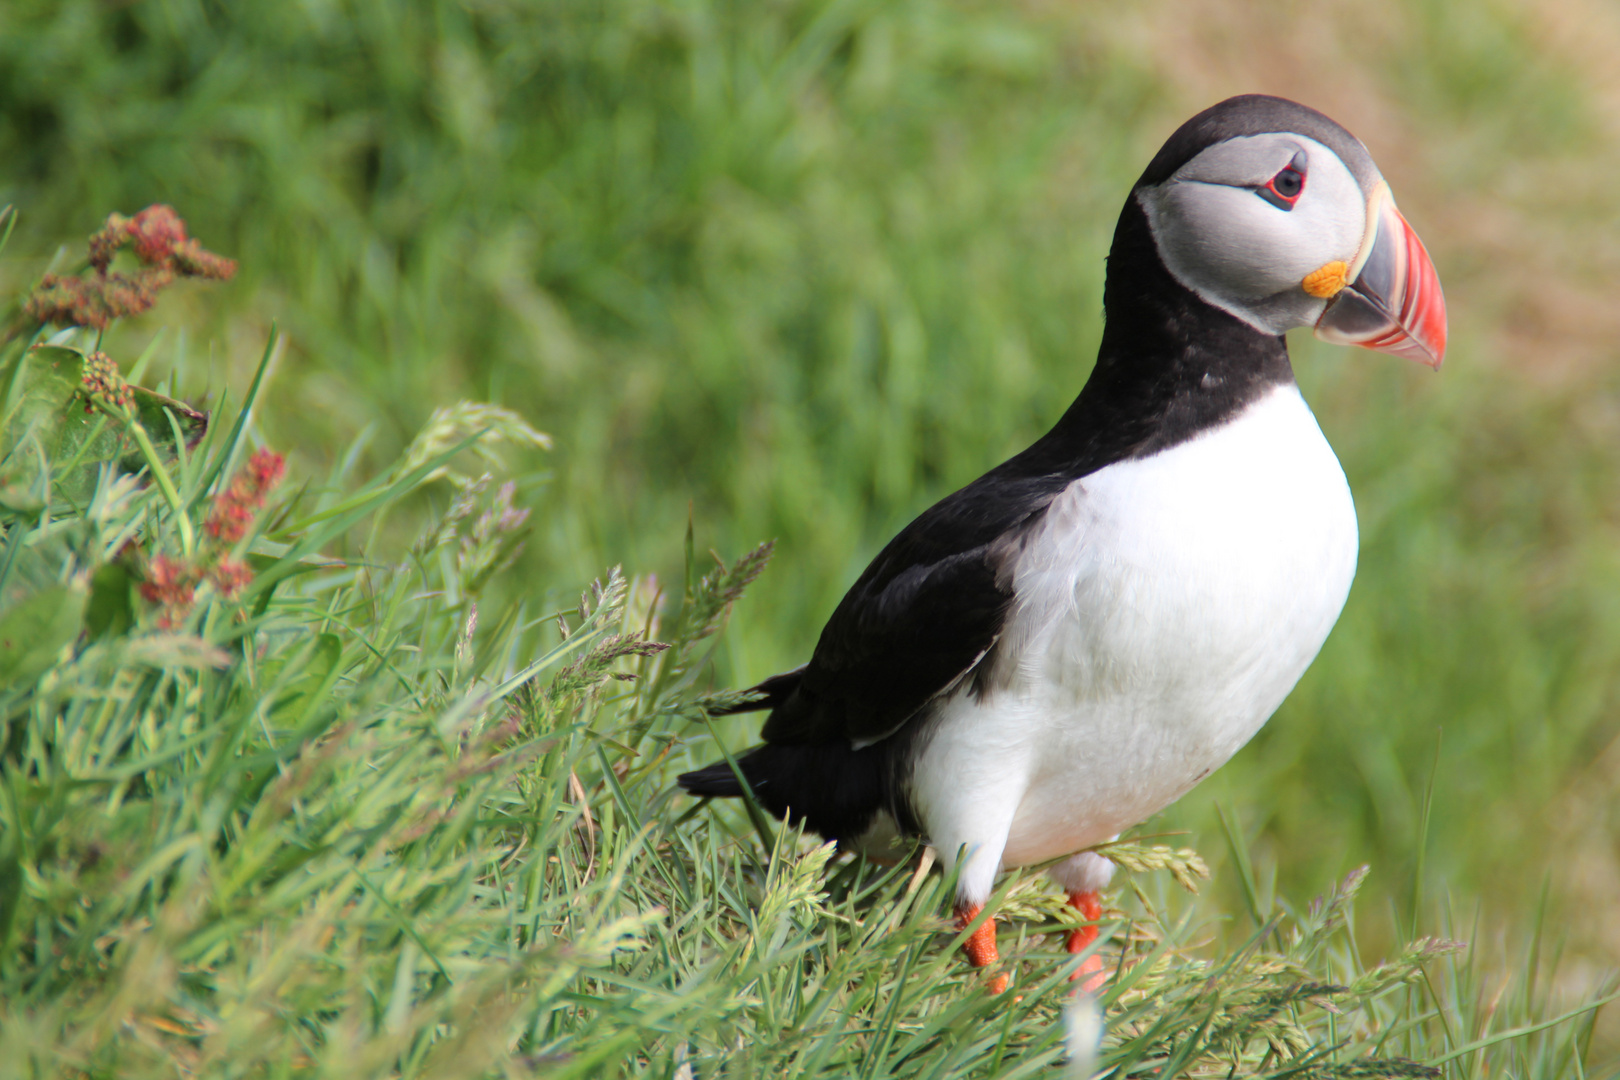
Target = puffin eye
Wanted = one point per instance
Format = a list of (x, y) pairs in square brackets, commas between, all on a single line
[(1284, 189)]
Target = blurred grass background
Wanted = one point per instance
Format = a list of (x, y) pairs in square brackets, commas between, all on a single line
[(801, 267)]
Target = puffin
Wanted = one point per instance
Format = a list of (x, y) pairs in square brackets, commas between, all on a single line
[(1068, 644)]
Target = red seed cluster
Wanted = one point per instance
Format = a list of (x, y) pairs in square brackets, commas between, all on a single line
[(171, 583), (158, 237), (230, 576), (235, 508), (95, 300), (156, 232)]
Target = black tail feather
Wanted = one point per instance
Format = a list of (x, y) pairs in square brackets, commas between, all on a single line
[(717, 781), (831, 787)]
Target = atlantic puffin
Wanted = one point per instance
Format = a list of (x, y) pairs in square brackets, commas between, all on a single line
[(1068, 644)]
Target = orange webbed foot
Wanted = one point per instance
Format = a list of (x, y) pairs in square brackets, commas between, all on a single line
[(1091, 975), (980, 946)]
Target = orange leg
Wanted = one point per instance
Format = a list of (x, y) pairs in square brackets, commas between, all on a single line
[(981, 944), (1091, 975)]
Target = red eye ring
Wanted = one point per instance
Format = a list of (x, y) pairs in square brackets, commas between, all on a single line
[(1284, 189)]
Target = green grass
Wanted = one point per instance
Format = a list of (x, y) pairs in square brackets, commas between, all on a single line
[(328, 826), (794, 270)]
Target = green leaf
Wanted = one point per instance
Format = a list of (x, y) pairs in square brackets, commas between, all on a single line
[(44, 421), (110, 611), (25, 477), (34, 631), (153, 410), (37, 386)]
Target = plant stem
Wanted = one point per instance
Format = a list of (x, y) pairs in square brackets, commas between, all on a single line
[(188, 536)]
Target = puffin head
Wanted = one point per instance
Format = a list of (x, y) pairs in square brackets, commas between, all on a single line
[(1275, 214)]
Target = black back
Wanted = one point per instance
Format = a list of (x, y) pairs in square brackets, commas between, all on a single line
[(931, 606)]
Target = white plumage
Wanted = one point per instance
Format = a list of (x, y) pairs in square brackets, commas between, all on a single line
[(1166, 606)]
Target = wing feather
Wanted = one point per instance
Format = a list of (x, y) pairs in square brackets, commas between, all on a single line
[(927, 610)]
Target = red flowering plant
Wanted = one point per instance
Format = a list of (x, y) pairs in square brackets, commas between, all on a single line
[(171, 581), (164, 252), (79, 443)]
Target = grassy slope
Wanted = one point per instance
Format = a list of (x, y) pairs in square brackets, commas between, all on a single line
[(322, 829), (810, 266)]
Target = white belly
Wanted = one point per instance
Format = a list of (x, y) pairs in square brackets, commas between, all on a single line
[(1166, 607)]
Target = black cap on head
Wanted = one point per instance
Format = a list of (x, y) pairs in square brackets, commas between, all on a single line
[(1257, 114)]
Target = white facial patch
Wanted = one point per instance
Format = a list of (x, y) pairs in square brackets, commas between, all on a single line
[(1240, 252)]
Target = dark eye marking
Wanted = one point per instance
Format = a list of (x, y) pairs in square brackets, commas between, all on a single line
[(1284, 189)]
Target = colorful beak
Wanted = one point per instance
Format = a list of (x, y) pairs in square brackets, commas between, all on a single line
[(1393, 303)]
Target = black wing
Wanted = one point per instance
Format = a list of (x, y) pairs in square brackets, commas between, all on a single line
[(930, 606)]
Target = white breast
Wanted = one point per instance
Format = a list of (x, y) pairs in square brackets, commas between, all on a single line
[(1165, 608)]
